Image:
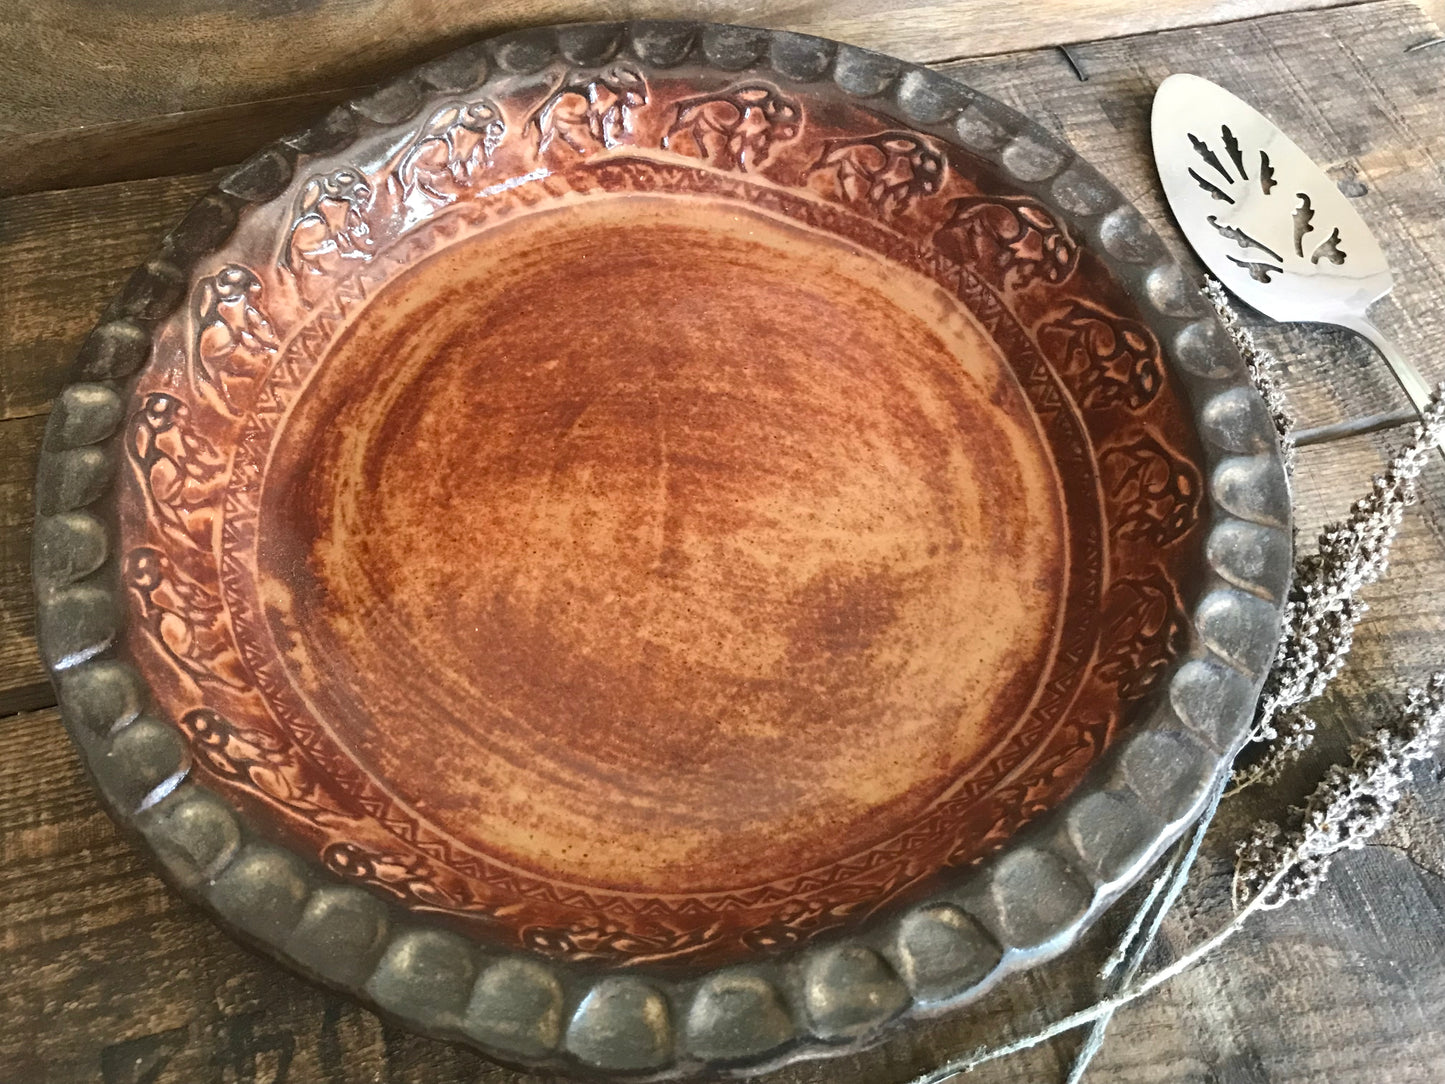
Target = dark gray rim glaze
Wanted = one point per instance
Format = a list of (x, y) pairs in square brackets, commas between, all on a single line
[(1025, 905)]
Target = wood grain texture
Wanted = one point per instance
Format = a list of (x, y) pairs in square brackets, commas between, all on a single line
[(200, 86), (141, 58), (63, 256), (23, 683), (110, 977), (171, 144)]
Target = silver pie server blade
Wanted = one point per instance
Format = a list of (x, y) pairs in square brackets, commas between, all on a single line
[(1266, 220)]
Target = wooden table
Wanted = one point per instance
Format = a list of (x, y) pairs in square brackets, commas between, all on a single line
[(116, 116)]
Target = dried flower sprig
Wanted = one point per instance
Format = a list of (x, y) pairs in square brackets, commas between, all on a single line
[(1261, 364), (1323, 608), (1324, 604), (1123, 964), (1349, 806), (1318, 633)]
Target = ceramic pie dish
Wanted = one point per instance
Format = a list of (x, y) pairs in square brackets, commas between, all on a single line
[(660, 548)]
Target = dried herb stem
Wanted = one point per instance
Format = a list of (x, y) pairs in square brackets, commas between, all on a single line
[(1123, 964), (1349, 807), (1108, 1006), (1352, 803), (1324, 604)]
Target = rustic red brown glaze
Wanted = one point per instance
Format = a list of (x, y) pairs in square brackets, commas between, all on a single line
[(652, 521)]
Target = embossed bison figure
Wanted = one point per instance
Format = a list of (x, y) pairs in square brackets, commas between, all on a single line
[(1156, 491), (887, 171), (185, 619), (735, 128), (456, 141), (179, 470), (1007, 239), (1105, 360), (589, 112), (329, 227), (234, 340), (1144, 633)]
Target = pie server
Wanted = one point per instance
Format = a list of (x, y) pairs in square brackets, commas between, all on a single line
[(1267, 221)]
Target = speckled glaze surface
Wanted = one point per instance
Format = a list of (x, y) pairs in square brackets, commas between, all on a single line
[(660, 547)]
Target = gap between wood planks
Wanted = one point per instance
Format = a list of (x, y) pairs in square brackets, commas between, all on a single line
[(167, 145), (1069, 48), (195, 140)]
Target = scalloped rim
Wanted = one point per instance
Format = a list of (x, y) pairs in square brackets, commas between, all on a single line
[(1025, 905)]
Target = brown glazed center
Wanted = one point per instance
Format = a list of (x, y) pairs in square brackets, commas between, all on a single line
[(663, 545)]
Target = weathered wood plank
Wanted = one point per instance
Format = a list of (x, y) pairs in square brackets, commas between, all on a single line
[(1341, 84), (63, 256), (168, 145), (213, 123), (23, 682), (63, 66)]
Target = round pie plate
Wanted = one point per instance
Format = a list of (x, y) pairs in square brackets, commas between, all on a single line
[(660, 548)]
